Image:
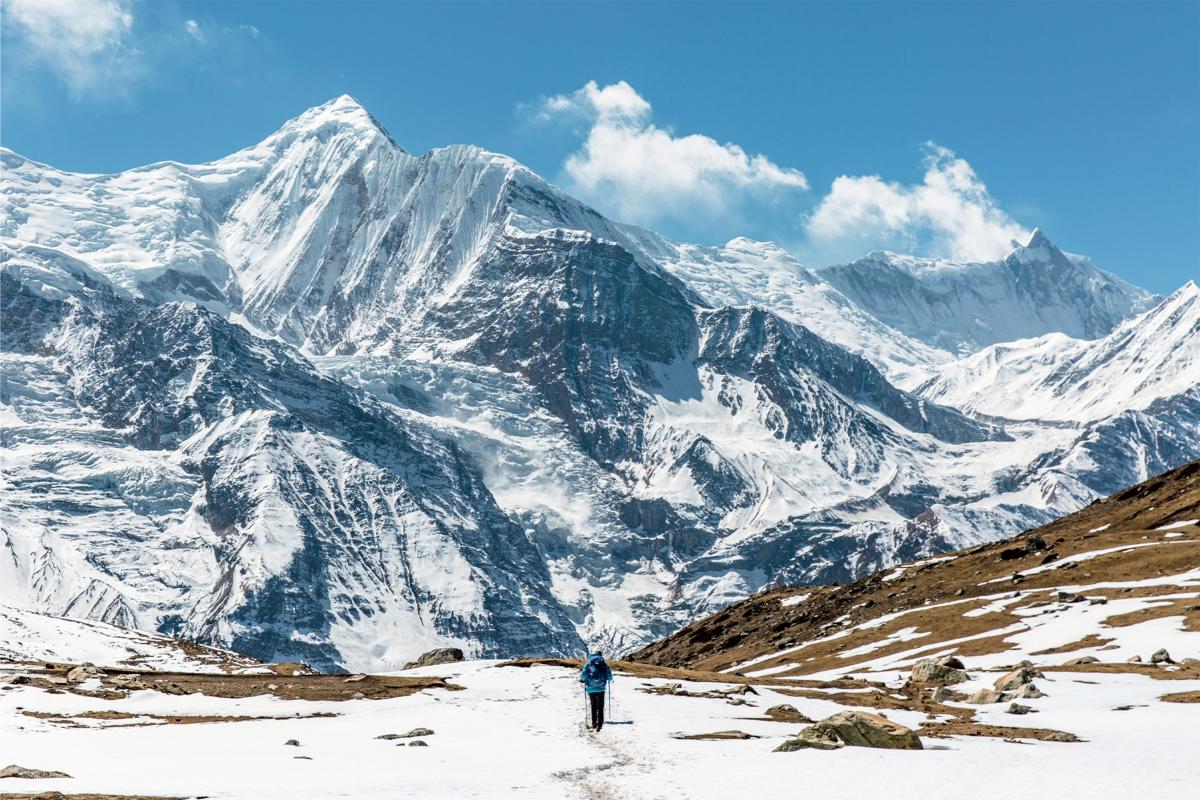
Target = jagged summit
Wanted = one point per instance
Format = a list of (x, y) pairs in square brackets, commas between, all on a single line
[(341, 113), (1038, 239)]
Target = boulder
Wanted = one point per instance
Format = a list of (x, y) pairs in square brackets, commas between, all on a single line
[(1075, 662), (1026, 691), (929, 670), (17, 771), (82, 672), (1161, 656), (1017, 708), (863, 729), (1020, 676), (443, 655), (291, 743), (803, 742), (985, 697), (418, 743), (786, 713), (1134, 660)]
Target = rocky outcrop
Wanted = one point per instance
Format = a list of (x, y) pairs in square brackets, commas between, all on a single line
[(854, 729), (17, 771), (944, 670), (442, 655)]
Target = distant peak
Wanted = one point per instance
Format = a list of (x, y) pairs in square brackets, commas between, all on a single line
[(343, 111), (1037, 239)]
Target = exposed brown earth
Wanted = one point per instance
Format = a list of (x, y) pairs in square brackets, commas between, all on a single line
[(935, 595), (148, 720), (715, 736), (61, 796), (942, 730), (118, 683), (1181, 697)]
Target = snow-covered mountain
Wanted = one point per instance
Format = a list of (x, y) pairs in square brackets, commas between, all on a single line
[(960, 307), (1147, 357), (327, 400)]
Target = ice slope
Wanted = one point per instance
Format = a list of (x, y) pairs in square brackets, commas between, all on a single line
[(167, 470), (960, 307), (27, 636), (746, 272), (1148, 357)]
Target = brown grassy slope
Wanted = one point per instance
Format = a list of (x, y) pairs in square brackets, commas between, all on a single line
[(761, 624)]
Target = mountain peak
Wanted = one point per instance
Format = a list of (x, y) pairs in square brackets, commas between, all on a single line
[(1038, 239), (342, 112)]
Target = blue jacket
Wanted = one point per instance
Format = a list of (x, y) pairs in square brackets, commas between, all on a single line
[(595, 675)]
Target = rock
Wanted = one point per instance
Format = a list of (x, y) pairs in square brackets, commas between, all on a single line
[(985, 697), (810, 739), (739, 689), (302, 758), (355, 678), (1068, 597), (1097, 601), (930, 670), (1161, 656), (1034, 543), (418, 743), (1017, 708), (417, 732), (951, 661), (941, 694), (443, 655), (715, 736), (863, 729), (16, 771), (291, 743), (82, 672), (1134, 660), (409, 735), (1061, 736), (1024, 673), (1026, 691), (1075, 662), (787, 713), (357, 696), (1184, 662)]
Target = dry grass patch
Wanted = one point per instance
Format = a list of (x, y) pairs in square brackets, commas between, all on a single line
[(1181, 697)]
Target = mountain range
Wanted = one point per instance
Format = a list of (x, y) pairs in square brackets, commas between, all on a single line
[(326, 400)]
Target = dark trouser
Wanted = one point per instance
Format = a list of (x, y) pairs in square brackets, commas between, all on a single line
[(596, 701)]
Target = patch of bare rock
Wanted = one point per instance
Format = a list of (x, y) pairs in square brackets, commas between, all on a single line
[(853, 729)]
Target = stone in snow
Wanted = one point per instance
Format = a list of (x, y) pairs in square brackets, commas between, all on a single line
[(442, 655)]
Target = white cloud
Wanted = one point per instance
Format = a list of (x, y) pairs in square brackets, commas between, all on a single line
[(195, 31), (643, 173), (86, 43), (950, 214)]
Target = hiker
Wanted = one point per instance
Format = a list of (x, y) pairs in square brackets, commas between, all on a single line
[(595, 677)]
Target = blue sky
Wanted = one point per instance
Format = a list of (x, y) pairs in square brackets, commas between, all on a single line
[(832, 129)]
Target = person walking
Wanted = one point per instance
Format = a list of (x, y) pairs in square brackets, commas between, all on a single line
[(595, 677)]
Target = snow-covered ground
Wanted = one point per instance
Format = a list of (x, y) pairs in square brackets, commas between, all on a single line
[(517, 732)]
